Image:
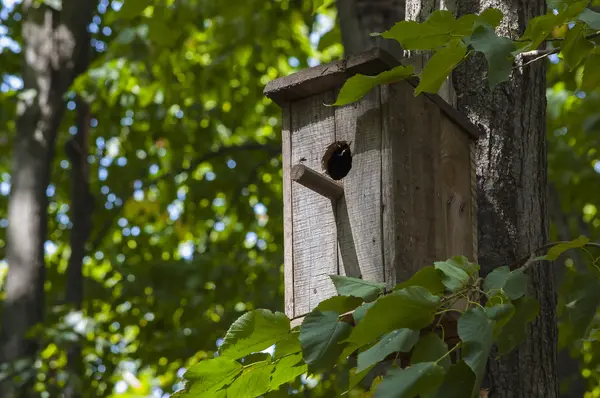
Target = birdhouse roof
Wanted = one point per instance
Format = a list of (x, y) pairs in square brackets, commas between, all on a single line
[(321, 78)]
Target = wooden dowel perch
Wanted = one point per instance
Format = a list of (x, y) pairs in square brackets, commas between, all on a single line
[(317, 182)]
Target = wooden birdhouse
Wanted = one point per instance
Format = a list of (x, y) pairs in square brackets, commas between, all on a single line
[(403, 189)]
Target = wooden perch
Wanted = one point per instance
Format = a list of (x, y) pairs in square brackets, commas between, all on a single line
[(317, 182)]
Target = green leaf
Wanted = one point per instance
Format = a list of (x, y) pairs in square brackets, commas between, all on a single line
[(453, 277), (578, 305), (538, 29), (501, 313), (361, 311), (591, 73), (476, 330), (358, 85), (132, 8), (212, 374), (418, 379), (400, 340), (356, 377), (557, 250), (429, 35), (253, 382), (290, 344), (512, 283), (513, 333), (590, 18), (347, 286), (254, 331), (286, 370), (431, 348), (320, 334), (339, 304), (411, 308), (491, 16), (334, 36), (497, 51), (427, 277), (439, 67), (320, 5), (458, 382), (576, 47)]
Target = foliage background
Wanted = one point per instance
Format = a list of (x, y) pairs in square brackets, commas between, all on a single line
[(186, 177)]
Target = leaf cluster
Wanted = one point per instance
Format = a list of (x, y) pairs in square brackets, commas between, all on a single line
[(451, 41)]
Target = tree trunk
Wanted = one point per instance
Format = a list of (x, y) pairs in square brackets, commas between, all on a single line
[(52, 43), (81, 212), (359, 18), (512, 187)]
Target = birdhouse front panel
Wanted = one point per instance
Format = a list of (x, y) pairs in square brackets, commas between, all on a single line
[(376, 189)]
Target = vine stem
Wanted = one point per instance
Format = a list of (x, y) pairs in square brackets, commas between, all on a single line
[(450, 351), (528, 261)]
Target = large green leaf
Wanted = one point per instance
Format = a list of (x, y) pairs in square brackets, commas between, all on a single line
[(254, 331), (514, 331), (347, 286), (427, 277), (557, 250), (401, 340), (132, 8), (453, 277), (339, 304), (502, 280), (254, 381), (358, 85), (286, 370), (418, 379), (590, 18), (411, 308), (576, 47), (500, 313), (476, 332), (212, 374), (289, 344), (431, 348), (458, 382), (320, 334), (498, 53), (439, 67), (429, 35), (591, 73)]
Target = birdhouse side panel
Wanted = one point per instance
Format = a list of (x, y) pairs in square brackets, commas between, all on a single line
[(428, 229), (314, 234), (416, 233), (457, 188), (288, 237), (359, 212)]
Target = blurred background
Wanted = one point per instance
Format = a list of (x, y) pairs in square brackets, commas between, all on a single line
[(164, 220)]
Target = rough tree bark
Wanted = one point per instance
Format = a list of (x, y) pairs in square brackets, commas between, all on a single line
[(512, 184), (512, 188), (52, 42)]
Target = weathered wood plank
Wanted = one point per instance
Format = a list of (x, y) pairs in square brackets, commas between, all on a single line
[(456, 171), (288, 225), (314, 236), (396, 192), (424, 128), (359, 214)]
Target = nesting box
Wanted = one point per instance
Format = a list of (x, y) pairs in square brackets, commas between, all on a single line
[(408, 199)]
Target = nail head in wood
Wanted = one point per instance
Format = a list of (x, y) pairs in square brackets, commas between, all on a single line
[(317, 182)]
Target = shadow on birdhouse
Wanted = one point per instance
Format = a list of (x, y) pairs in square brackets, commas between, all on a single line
[(385, 185)]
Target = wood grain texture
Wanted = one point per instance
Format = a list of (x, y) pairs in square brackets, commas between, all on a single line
[(288, 224), (456, 189), (424, 129), (359, 222), (315, 236), (396, 193)]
